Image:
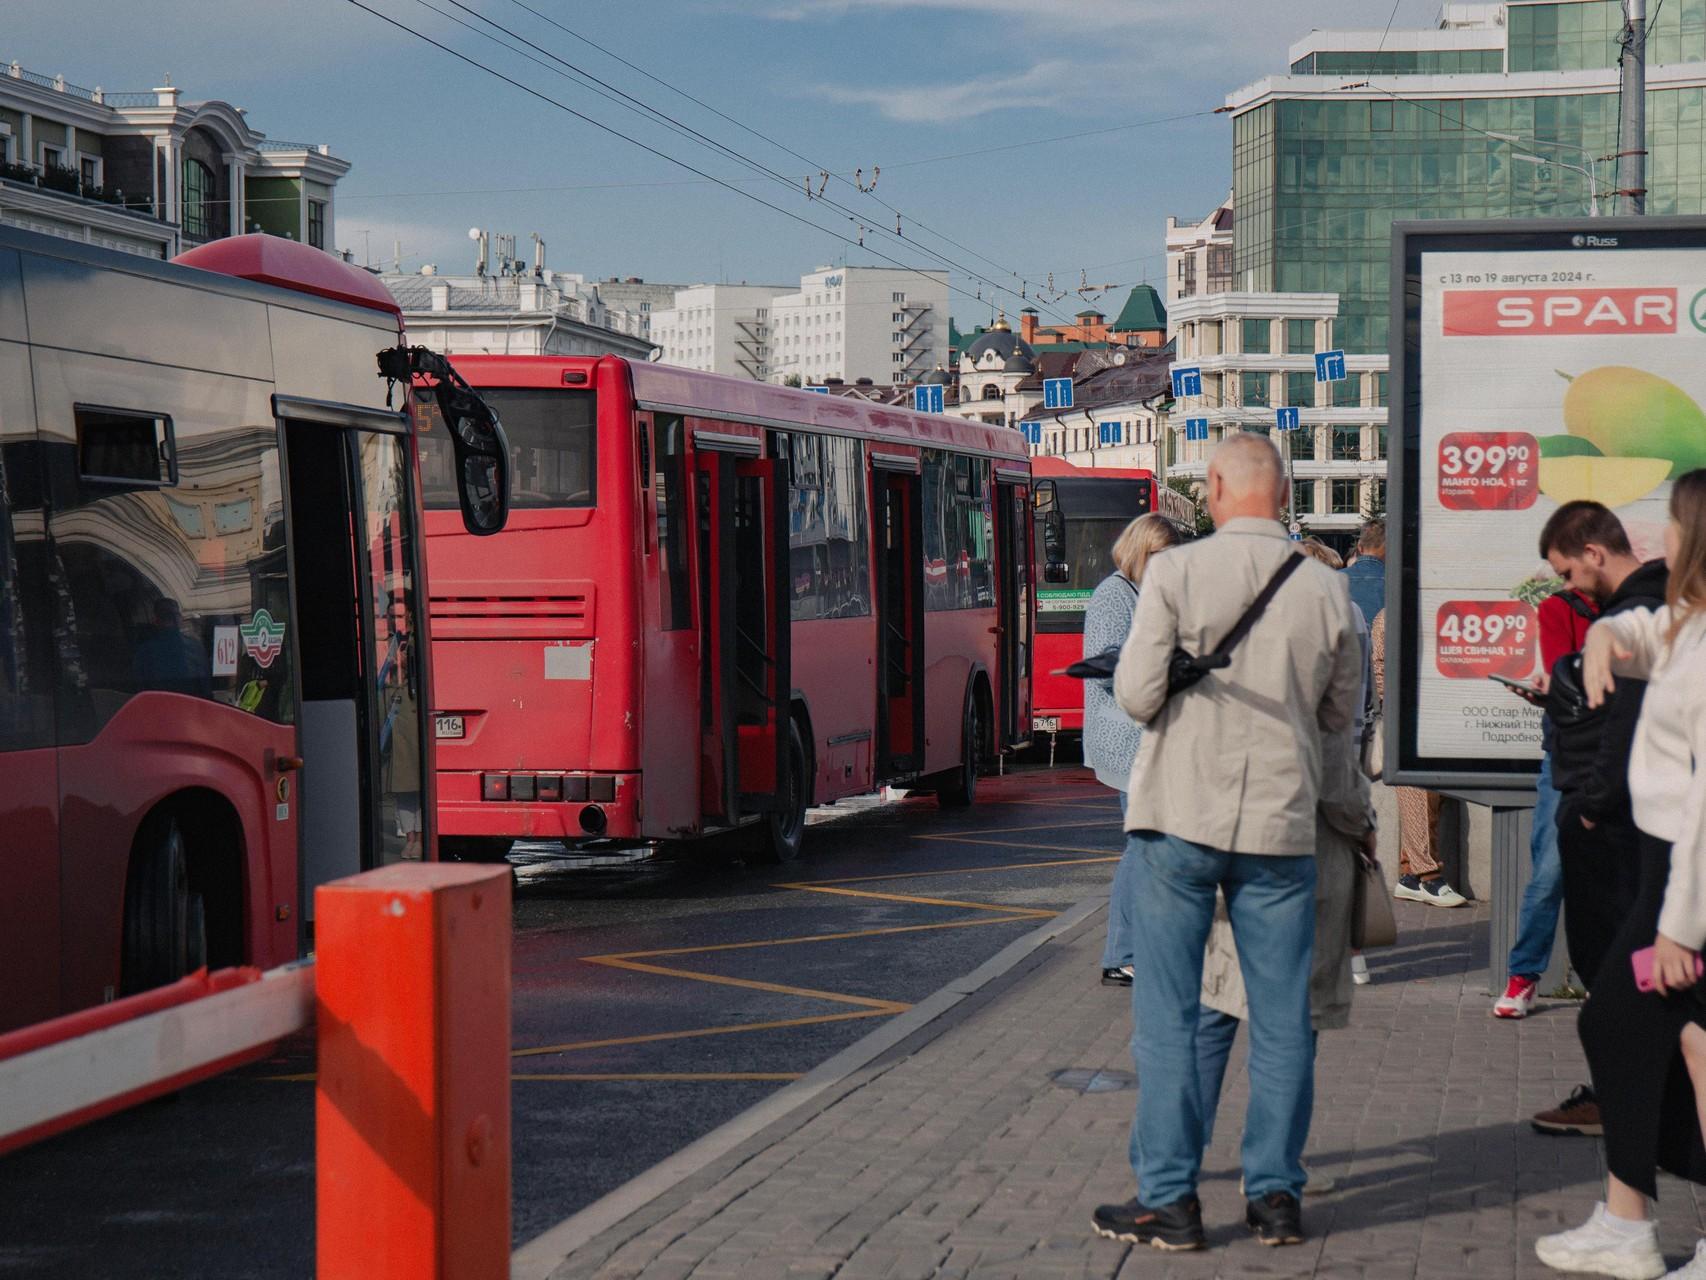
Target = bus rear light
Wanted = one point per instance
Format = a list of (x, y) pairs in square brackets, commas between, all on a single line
[(574, 377), (521, 786), (574, 789), (494, 786), (601, 789), (550, 788), (592, 820)]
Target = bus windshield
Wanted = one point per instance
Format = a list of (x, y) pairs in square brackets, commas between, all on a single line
[(552, 448)]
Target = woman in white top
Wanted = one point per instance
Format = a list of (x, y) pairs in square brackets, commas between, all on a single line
[(1653, 1107)]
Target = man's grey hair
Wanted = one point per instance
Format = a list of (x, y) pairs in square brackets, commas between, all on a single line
[(1248, 463)]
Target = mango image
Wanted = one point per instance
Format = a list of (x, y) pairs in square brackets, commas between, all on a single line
[(1567, 447), (1616, 482), (1630, 413)]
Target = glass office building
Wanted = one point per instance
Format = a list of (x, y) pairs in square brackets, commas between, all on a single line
[(1371, 129)]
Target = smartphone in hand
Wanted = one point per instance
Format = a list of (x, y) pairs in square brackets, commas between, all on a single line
[(1642, 962), (1531, 693)]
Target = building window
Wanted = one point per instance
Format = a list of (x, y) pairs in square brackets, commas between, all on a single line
[(1300, 388), (1302, 498), (1380, 116), (1379, 444), (1253, 389), (198, 196), (1347, 444), (1256, 336), (1451, 114), (52, 157), (89, 171), (898, 297), (317, 223), (1377, 499), (1345, 497), (1347, 394), (1380, 391), (991, 391), (1219, 268), (1299, 337), (1302, 444)]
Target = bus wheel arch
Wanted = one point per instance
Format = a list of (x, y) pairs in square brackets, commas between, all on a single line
[(183, 900), (781, 833), (958, 789)]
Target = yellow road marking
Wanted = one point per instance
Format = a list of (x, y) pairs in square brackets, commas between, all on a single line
[(821, 887), (1027, 844), (972, 836), (821, 1018), (748, 984), (958, 871)]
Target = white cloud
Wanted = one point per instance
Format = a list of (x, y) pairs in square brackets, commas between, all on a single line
[(937, 101)]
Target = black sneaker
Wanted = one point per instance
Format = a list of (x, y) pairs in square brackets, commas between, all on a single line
[(1176, 1227), (1119, 977), (1276, 1218)]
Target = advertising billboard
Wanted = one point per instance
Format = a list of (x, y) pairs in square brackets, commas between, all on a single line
[(1534, 363)]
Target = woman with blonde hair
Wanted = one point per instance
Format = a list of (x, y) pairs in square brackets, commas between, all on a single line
[(1645, 1013), (1110, 735)]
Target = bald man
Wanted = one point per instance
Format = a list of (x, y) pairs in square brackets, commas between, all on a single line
[(1223, 797)]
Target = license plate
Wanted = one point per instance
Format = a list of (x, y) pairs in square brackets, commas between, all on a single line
[(1042, 724), (448, 727)]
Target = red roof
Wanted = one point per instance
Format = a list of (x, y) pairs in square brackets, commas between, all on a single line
[(290, 264)]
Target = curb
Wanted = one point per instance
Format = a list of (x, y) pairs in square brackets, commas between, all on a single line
[(543, 1254)]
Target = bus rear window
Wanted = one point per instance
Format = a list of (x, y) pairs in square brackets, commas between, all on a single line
[(552, 448)]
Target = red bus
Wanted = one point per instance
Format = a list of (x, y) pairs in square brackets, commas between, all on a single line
[(212, 681), (1089, 507), (718, 602)]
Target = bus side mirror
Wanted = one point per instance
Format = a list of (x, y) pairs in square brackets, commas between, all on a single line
[(1046, 501), (477, 440)]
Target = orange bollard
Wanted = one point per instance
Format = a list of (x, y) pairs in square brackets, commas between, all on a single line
[(412, 1104)]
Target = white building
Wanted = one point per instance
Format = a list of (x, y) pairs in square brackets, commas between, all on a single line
[(1257, 354), (889, 324), (644, 298), (1199, 257), (515, 310), (718, 328), (151, 173)]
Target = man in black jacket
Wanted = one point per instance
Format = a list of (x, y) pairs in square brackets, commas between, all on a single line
[(1587, 546)]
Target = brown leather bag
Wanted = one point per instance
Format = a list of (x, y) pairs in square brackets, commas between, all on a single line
[(1372, 921)]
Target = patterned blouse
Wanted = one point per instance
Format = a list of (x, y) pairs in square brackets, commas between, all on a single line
[(1110, 735)]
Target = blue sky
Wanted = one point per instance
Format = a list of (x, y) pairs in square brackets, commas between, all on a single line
[(935, 92)]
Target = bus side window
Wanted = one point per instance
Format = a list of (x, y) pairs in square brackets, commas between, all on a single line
[(669, 452)]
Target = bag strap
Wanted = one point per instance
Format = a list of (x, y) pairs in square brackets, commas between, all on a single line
[(1257, 606)]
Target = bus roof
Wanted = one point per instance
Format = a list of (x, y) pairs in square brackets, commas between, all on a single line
[(290, 264), (710, 395)]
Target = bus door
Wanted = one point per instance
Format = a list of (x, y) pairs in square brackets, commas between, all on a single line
[(355, 574), (899, 563), (1013, 605), (744, 664)]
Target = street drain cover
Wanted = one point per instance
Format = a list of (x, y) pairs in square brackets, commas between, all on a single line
[(1090, 1080)]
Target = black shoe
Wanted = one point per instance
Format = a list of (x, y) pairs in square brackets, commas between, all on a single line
[(1176, 1227), (1276, 1218), (1120, 977)]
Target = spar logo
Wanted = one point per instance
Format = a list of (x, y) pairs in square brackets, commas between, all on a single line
[(263, 639), (1492, 313)]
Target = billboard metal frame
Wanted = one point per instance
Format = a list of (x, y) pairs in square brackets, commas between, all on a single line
[(1495, 779)]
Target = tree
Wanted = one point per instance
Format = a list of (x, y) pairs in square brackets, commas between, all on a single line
[(792, 380)]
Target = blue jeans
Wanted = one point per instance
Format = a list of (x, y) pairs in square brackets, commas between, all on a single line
[(1271, 900), (1537, 922), (1118, 948), (1215, 1033)]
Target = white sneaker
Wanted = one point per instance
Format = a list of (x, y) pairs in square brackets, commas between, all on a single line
[(1694, 1268), (1602, 1249), (1359, 971)]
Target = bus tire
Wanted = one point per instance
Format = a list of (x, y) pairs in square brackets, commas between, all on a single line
[(165, 925), (958, 789), (783, 832), (473, 849)]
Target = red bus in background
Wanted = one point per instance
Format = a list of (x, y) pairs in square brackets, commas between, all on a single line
[(716, 603), (1094, 505), (213, 684)]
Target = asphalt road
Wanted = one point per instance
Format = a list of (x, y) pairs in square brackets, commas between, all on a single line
[(654, 998)]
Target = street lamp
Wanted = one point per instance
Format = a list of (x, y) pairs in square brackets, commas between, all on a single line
[(1586, 171), (1593, 183)]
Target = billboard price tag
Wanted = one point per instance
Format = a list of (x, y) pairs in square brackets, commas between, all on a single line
[(1488, 471), (1475, 639)]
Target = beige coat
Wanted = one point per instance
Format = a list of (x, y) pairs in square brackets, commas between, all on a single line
[(1345, 814), (1235, 762)]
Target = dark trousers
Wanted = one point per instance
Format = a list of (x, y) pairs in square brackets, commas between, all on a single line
[(1602, 874)]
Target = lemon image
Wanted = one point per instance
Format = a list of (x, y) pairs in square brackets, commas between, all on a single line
[(1616, 482), (1631, 413)]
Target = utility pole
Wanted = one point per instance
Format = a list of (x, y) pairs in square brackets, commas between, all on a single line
[(1632, 117)]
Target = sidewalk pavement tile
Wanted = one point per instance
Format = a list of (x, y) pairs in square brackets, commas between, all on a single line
[(957, 1156)]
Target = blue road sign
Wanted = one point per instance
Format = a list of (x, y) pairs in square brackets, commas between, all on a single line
[(1286, 419), (1330, 366), (1108, 432), (1187, 380), (1033, 432), (1057, 393), (928, 398), (822, 391), (1196, 428)]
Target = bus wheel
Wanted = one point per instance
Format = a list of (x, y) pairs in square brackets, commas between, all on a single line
[(472, 849), (959, 788), (784, 831), (165, 925)]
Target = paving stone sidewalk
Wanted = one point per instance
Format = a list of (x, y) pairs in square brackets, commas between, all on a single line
[(956, 1155)]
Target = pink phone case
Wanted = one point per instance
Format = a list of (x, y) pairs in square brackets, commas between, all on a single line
[(1642, 963)]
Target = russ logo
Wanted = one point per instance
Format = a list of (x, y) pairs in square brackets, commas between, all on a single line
[(263, 639)]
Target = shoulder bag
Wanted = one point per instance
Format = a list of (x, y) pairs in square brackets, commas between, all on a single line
[(1372, 921)]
